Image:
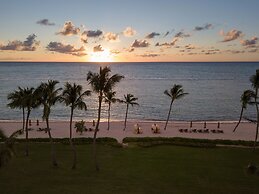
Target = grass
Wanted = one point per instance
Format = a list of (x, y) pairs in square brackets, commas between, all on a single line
[(160, 169), (151, 141)]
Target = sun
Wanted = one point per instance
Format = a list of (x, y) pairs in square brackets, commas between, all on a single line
[(103, 56)]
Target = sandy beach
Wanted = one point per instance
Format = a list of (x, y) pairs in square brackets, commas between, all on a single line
[(60, 129)]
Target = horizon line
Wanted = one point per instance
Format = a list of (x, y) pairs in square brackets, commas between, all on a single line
[(130, 62)]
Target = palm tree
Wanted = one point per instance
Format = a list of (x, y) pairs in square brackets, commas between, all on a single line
[(17, 101), (109, 98), (129, 99), (73, 96), (101, 83), (254, 79), (176, 92), (31, 101), (245, 100), (48, 97)]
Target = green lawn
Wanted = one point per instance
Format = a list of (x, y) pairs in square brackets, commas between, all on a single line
[(159, 169)]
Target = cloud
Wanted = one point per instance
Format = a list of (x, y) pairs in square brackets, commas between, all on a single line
[(231, 35), (129, 49), (152, 35), (253, 50), (140, 43), (84, 39), (166, 34), (235, 51), (98, 48), (111, 37), (168, 44), (65, 49), (128, 32), (176, 38), (249, 43), (204, 27), (181, 35), (92, 33), (210, 51), (190, 47), (30, 44), (149, 55), (165, 44), (116, 52), (45, 22), (69, 29)]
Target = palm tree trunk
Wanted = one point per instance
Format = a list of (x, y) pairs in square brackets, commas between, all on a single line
[(257, 111), (26, 130), (95, 133), (241, 114), (53, 153), (168, 114), (126, 116), (70, 139), (109, 115), (23, 118)]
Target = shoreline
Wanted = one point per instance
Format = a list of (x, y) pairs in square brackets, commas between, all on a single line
[(132, 120), (60, 129)]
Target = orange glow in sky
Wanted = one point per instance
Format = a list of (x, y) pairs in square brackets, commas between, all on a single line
[(103, 56)]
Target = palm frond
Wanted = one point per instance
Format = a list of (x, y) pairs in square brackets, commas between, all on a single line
[(2, 134), (254, 79), (73, 96), (246, 98), (102, 82), (130, 99), (176, 92), (166, 92), (16, 133)]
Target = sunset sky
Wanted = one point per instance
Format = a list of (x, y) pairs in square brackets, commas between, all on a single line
[(120, 30)]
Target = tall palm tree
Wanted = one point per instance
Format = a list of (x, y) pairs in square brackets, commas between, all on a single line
[(245, 100), (129, 99), (175, 93), (109, 98), (48, 98), (73, 96), (17, 101), (31, 101), (101, 83), (254, 79)]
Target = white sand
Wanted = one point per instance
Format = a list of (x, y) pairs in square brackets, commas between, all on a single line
[(60, 129)]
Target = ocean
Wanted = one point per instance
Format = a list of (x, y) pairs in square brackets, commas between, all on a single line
[(214, 89)]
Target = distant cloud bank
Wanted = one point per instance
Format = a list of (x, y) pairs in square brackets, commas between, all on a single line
[(30, 44), (65, 49)]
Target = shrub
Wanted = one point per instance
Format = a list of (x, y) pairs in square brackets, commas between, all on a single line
[(80, 127)]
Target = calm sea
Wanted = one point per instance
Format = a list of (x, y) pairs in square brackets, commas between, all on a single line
[(214, 88)]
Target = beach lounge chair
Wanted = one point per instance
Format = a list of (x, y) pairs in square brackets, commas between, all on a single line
[(155, 128), (137, 129), (220, 131), (180, 130)]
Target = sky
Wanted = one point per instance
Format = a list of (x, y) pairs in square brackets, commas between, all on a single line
[(129, 30)]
